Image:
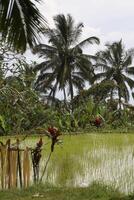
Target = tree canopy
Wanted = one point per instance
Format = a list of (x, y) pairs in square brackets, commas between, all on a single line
[(65, 65)]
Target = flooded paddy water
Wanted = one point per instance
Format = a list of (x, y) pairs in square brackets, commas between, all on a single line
[(83, 159)]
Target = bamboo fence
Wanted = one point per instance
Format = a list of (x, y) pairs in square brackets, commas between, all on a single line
[(15, 167)]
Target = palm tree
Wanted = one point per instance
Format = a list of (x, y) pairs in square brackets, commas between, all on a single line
[(20, 23), (65, 66), (116, 65)]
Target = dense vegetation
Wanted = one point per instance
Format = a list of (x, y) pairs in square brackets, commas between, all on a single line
[(28, 91)]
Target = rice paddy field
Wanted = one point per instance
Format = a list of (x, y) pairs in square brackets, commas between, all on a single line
[(86, 158)]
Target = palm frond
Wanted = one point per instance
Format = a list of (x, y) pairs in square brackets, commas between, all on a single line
[(129, 81), (90, 40), (127, 61), (130, 70), (20, 23)]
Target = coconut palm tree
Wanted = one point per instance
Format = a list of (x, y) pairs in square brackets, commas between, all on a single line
[(20, 23), (65, 66), (116, 65)]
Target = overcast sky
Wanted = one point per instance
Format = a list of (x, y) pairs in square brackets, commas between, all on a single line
[(110, 20)]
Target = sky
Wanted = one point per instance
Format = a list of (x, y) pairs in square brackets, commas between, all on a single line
[(110, 20)]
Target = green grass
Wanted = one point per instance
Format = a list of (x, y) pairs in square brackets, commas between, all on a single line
[(93, 192)]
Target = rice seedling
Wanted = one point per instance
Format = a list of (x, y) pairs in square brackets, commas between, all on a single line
[(85, 158)]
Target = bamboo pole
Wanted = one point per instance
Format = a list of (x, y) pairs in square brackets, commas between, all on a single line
[(8, 164), (46, 164), (2, 158), (26, 168), (14, 169), (19, 163)]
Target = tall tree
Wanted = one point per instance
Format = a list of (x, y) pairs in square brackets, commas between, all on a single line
[(116, 65), (65, 65), (20, 23)]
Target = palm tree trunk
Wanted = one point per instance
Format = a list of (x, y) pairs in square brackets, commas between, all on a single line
[(72, 95), (65, 97), (71, 92), (111, 95), (119, 95), (52, 93)]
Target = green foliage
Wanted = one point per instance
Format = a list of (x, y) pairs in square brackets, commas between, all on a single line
[(65, 66), (20, 106), (2, 124), (20, 23)]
